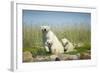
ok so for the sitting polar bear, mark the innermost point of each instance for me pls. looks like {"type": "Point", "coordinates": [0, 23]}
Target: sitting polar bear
{"type": "Point", "coordinates": [68, 46]}
{"type": "Point", "coordinates": [53, 48]}
{"type": "Point", "coordinates": [51, 42]}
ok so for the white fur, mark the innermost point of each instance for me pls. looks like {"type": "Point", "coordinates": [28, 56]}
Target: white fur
{"type": "Point", "coordinates": [69, 46]}
{"type": "Point", "coordinates": [49, 35]}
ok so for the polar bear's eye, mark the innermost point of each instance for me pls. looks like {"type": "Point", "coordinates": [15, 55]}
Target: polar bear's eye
{"type": "Point", "coordinates": [66, 43]}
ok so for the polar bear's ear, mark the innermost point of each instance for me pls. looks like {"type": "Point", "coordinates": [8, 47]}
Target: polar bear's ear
{"type": "Point", "coordinates": [41, 27]}
{"type": "Point", "coordinates": [47, 28]}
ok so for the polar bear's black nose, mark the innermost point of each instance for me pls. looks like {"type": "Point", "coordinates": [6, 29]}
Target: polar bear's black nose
{"type": "Point", "coordinates": [49, 44]}
{"type": "Point", "coordinates": [44, 29]}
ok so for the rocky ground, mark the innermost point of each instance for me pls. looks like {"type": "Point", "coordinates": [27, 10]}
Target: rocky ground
{"type": "Point", "coordinates": [27, 57]}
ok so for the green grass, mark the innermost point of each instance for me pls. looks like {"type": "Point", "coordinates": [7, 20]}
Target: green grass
{"type": "Point", "coordinates": [32, 38]}
{"type": "Point", "coordinates": [36, 51]}
{"type": "Point", "coordinates": [83, 49]}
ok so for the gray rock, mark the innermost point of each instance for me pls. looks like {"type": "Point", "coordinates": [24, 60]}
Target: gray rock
{"type": "Point", "coordinates": [64, 57]}
{"type": "Point", "coordinates": [68, 57]}
{"type": "Point", "coordinates": [85, 56]}
{"type": "Point", "coordinates": [27, 56]}
{"type": "Point", "coordinates": [41, 58]}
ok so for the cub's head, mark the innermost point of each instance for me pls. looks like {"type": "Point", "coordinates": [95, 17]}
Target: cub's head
{"type": "Point", "coordinates": [45, 29]}
{"type": "Point", "coordinates": [65, 42]}
{"type": "Point", "coordinates": [49, 43]}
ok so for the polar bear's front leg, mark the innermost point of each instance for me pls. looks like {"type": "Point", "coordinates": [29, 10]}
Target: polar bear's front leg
{"type": "Point", "coordinates": [47, 48]}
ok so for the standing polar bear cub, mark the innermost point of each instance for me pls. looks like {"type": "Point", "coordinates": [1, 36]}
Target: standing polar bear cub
{"type": "Point", "coordinates": [51, 42]}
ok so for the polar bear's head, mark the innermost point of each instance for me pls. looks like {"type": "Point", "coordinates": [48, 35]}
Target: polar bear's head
{"type": "Point", "coordinates": [49, 43]}
{"type": "Point", "coordinates": [65, 42]}
{"type": "Point", "coordinates": [45, 28]}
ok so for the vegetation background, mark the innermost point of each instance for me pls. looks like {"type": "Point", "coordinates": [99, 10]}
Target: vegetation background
{"type": "Point", "coordinates": [78, 31]}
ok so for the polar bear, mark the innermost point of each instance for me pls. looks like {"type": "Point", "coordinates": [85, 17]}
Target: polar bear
{"type": "Point", "coordinates": [49, 37]}
{"type": "Point", "coordinates": [68, 46]}
{"type": "Point", "coordinates": [53, 48]}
